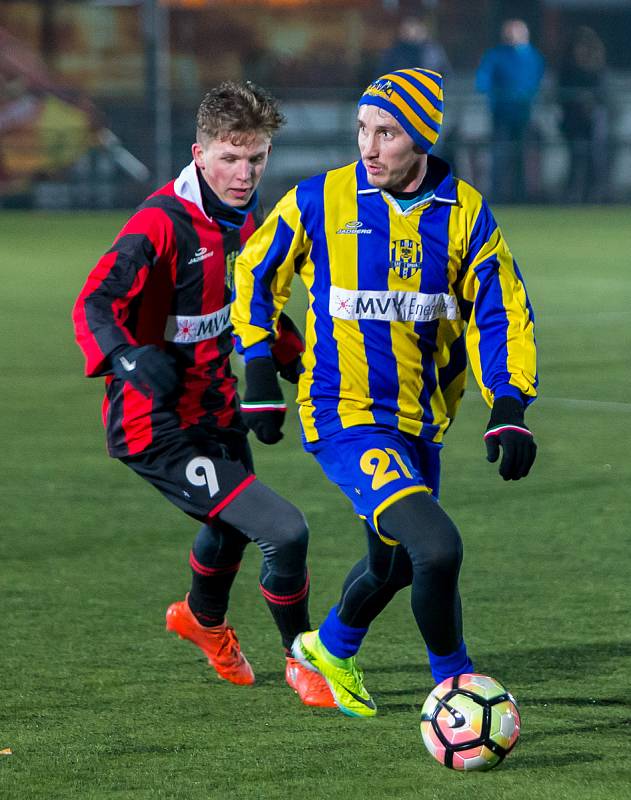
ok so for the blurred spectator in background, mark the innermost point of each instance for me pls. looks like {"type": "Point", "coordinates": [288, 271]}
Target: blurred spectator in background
{"type": "Point", "coordinates": [510, 75]}
{"type": "Point", "coordinates": [45, 125]}
{"type": "Point", "coordinates": [584, 120]}
{"type": "Point", "coordinates": [414, 47]}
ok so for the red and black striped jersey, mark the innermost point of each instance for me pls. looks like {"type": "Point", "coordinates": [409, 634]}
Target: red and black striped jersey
{"type": "Point", "coordinates": [166, 280]}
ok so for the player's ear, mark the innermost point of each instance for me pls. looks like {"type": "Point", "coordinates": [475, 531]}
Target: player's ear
{"type": "Point", "coordinates": [198, 155]}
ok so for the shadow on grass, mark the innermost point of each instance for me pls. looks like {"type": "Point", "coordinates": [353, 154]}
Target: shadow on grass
{"type": "Point", "coordinates": [583, 702]}
{"type": "Point", "coordinates": [607, 728]}
{"type": "Point", "coordinates": [397, 708]}
{"type": "Point", "coordinates": [415, 668]}
{"type": "Point", "coordinates": [533, 665]}
{"type": "Point", "coordinates": [521, 666]}
{"type": "Point", "coordinates": [276, 678]}
{"type": "Point", "coordinates": [547, 760]}
{"type": "Point", "coordinates": [407, 691]}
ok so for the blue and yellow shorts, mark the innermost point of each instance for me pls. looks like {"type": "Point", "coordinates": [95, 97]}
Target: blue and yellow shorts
{"type": "Point", "coordinates": [376, 466]}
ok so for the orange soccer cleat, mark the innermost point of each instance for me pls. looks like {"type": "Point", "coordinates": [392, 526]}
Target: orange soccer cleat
{"type": "Point", "coordinates": [310, 686]}
{"type": "Point", "coordinates": [219, 644]}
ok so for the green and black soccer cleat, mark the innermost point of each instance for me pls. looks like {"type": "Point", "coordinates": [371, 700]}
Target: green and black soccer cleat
{"type": "Point", "coordinates": [345, 679]}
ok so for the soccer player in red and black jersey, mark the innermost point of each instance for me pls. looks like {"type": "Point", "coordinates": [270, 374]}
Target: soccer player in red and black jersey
{"type": "Point", "coordinates": [154, 319]}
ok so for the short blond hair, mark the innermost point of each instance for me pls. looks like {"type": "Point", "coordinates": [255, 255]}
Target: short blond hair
{"type": "Point", "coordinates": [238, 110]}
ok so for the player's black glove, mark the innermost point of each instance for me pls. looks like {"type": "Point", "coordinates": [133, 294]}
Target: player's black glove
{"type": "Point", "coordinates": [263, 405]}
{"type": "Point", "coordinates": [506, 428]}
{"type": "Point", "coordinates": [287, 349]}
{"type": "Point", "coordinates": [147, 368]}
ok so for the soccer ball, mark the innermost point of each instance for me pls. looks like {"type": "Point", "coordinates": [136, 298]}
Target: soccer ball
{"type": "Point", "coordinates": [470, 722]}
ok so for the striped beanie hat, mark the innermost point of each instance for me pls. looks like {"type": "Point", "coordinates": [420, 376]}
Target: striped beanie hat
{"type": "Point", "coordinates": [414, 97]}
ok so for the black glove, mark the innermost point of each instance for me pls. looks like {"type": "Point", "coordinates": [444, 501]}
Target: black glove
{"type": "Point", "coordinates": [287, 349]}
{"type": "Point", "coordinates": [263, 405]}
{"type": "Point", "coordinates": [506, 428]}
{"type": "Point", "coordinates": [147, 368]}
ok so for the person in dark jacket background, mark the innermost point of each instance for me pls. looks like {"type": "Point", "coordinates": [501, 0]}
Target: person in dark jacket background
{"type": "Point", "coordinates": [414, 46]}
{"type": "Point", "coordinates": [584, 118]}
{"type": "Point", "coordinates": [510, 75]}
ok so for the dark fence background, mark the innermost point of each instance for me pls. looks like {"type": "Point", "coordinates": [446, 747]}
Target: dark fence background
{"type": "Point", "coordinates": [145, 64]}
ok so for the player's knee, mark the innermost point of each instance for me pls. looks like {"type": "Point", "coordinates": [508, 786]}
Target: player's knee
{"type": "Point", "coordinates": [291, 534]}
{"type": "Point", "coordinates": [427, 533]}
{"type": "Point", "coordinates": [437, 550]}
{"type": "Point", "coordinates": [283, 538]}
{"type": "Point", "coordinates": [443, 553]}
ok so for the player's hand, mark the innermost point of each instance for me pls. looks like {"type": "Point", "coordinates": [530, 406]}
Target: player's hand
{"type": "Point", "coordinates": [287, 349]}
{"type": "Point", "coordinates": [147, 368]}
{"type": "Point", "coordinates": [506, 429]}
{"type": "Point", "coordinates": [263, 405]}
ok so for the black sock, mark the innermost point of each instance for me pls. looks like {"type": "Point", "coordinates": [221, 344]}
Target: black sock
{"type": "Point", "coordinates": [215, 559]}
{"type": "Point", "coordinates": [210, 590]}
{"type": "Point", "coordinates": [288, 601]}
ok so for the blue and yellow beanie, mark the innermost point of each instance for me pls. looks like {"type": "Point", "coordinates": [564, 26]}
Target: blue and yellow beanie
{"type": "Point", "coordinates": [414, 97]}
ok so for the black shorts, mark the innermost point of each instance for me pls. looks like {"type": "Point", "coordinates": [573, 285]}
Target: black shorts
{"type": "Point", "coordinates": [198, 471]}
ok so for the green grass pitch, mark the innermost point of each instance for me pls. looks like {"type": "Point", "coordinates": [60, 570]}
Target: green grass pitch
{"type": "Point", "coordinates": [98, 701]}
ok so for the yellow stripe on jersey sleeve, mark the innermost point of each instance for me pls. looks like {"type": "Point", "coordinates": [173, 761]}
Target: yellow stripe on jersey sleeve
{"type": "Point", "coordinates": [520, 344]}
{"type": "Point", "coordinates": [471, 206]}
{"type": "Point", "coordinates": [521, 360]}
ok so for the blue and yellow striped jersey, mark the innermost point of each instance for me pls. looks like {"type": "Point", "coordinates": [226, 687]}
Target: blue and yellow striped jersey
{"type": "Point", "coordinates": [396, 301]}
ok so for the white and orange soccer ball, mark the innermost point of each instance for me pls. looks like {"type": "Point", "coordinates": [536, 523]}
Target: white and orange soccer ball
{"type": "Point", "coordinates": [470, 722]}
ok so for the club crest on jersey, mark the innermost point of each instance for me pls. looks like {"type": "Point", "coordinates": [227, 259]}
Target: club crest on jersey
{"type": "Point", "coordinates": [230, 262]}
{"type": "Point", "coordinates": [405, 257]}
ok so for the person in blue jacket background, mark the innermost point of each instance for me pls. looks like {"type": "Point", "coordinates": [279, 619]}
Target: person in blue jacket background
{"type": "Point", "coordinates": [510, 76]}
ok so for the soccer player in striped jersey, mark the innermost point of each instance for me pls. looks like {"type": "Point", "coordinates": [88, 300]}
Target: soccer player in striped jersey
{"type": "Point", "coordinates": [407, 273]}
{"type": "Point", "coordinates": [154, 319]}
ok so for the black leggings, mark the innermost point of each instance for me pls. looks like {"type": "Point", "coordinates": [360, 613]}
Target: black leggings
{"type": "Point", "coordinates": [280, 531]}
{"type": "Point", "coordinates": [428, 558]}
{"type": "Point", "coordinates": [276, 526]}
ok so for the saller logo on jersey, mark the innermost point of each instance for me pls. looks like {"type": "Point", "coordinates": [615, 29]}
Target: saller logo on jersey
{"type": "Point", "coordinates": [391, 306]}
{"type": "Point", "coordinates": [187, 330]}
{"type": "Point", "coordinates": [200, 254]}
{"type": "Point", "coordinates": [353, 228]}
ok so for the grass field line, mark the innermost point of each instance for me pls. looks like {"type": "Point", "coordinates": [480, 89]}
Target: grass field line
{"type": "Point", "coordinates": [572, 402]}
